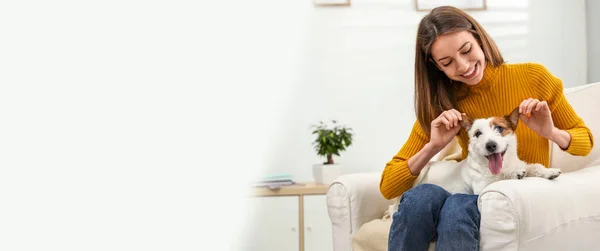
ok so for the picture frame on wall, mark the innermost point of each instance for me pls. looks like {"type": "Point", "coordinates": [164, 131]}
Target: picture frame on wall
{"type": "Point", "coordinates": [427, 5]}
{"type": "Point", "coordinates": [332, 3]}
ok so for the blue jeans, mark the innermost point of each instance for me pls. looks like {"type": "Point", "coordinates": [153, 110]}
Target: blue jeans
{"type": "Point", "coordinates": [427, 213]}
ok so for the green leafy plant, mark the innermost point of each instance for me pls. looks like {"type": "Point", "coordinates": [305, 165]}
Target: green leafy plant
{"type": "Point", "coordinates": [331, 140]}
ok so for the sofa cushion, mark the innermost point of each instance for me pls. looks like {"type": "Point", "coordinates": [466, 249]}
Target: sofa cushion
{"type": "Point", "coordinates": [586, 102]}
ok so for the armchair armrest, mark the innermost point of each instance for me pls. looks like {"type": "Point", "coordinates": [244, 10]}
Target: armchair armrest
{"type": "Point", "coordinates": [352, 200]}
{"type": "Point", "coordinates": [540, 214]}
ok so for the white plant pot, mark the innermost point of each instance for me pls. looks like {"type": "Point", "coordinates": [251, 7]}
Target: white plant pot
{"type": "Point", "coordinates": [326, 174]}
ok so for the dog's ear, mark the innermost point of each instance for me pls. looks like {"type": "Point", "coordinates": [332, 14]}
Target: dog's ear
{"type": "Point", "coordinates": [513, 119]}
{"type": "Point", "coordinates": [466, 122]}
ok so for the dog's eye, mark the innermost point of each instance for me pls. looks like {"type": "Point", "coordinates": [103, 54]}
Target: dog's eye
{"type": "Point", "coordinates": [500, 129]}
{"type": "Point", "coordinates": [477, 134]}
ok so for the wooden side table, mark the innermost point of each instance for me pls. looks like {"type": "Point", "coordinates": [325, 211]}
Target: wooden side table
{"type": "Point", "coordinates": [299, 189]}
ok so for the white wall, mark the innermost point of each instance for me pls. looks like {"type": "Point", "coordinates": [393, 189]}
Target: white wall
{"type": "Point", "coordinates": [593, 39]}
{"type": "Point", "coordinates": [557, 38]}
{"type": "Point", "coordinates": [355, 65]}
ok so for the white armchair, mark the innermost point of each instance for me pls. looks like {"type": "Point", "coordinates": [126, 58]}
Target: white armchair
{"type": "Point", "coordinates": [562, 214]}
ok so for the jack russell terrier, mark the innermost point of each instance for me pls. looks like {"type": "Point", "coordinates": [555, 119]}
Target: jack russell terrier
{"type": "Point", "coordinates": [492, 157]}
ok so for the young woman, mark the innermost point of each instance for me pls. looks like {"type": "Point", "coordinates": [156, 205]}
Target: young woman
{"type": "Point", "coordinates": [459, 69]}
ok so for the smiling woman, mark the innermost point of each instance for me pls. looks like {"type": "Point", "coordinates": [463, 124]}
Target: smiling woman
{"type": "Point", "coordinates": [460, 71]}
{"type": "Point", "coordinates": [459, 60]}
{"type": "Point", "coordinates": [461, 50]}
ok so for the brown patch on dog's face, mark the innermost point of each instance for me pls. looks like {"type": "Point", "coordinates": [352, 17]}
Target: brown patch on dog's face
{"type": "Point", "coordinates": [503, 124]}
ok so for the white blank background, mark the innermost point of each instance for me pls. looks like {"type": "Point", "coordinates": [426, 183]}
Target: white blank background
{"type": "Point", "coordinates": [125, 125]}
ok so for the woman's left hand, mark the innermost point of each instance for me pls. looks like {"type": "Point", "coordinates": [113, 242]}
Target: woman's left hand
{"type": "Point", "coordinates": [536, 115]}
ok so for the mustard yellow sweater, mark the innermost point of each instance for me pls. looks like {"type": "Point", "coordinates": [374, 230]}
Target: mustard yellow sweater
{"type": "Point", "coordinates": [501, 90]}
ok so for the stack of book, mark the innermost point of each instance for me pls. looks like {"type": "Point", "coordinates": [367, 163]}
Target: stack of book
{"type": "Point", "coordinates": [275, 181]}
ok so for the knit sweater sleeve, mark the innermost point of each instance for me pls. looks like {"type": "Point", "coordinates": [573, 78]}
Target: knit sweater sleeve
{"type": "Point", "coordinates": [563, 114]}
{"type": "Point", "coordinates": [396, 177]}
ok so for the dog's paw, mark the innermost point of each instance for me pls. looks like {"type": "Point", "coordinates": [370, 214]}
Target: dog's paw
{"type": "Point", "coordinates": [539, 170]}
{"type": "Point", "coordinates": [553, 173]}
{"type": "Point", "coordinates": [515, 174]}
{"type": "Point", "coordinates": [548, 173]}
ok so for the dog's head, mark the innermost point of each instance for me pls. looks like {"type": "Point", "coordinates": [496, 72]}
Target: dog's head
{"type": "Point", "coordinates": [490, 138]}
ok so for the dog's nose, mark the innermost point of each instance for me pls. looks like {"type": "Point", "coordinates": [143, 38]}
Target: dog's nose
{"type": "Point", "coordinates": [491, 146]}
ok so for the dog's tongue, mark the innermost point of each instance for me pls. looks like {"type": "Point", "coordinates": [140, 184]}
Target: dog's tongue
{"type": "Point", "coordinates": [495, 163]}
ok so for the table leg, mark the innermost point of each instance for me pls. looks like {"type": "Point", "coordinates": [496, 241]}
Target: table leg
{"type": "Point", "coordinates": [301, 220]}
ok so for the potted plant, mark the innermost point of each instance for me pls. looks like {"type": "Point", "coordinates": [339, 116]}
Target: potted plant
{"type": "Point", "coordinates": [330, 140]}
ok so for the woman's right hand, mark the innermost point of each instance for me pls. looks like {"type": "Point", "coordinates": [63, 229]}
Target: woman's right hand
{"type": "Point", "coordinates": [444, 128]}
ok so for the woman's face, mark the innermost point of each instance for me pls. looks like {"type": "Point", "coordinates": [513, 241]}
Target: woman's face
{"type": "Point", "coordinates": [459, 56]}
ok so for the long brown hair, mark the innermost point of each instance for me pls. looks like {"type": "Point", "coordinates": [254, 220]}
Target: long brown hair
{"type": "Point", "coordinates": [434, 91]}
